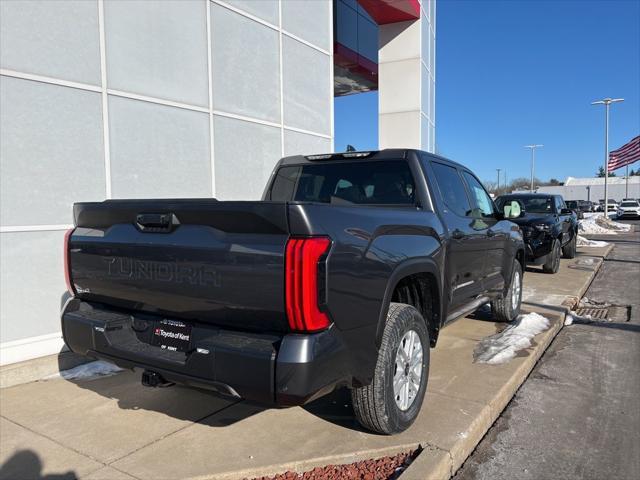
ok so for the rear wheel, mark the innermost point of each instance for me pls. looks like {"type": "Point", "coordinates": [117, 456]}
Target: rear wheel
{"type": "Point", "coordinates": [507, 307]}
{"type": "Point", "coordinates": [392, 401]}
{"type": "Point", "coordinates": [553, 262]}
{"type": "Point", "coordinates": [569, 250]}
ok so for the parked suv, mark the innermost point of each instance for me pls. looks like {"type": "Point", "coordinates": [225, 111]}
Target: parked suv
{"type": "Point", "coordinates": [612, 205]}
{"type": "Point", "coordinates": [550, 228]}
{"type": "Point", "coordinates": [343, 275]}
{"type": "Point", "coordinates": [629, 208]}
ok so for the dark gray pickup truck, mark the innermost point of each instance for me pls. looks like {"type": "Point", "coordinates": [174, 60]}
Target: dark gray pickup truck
{"type": "Point", "coordinates": [343, 275]}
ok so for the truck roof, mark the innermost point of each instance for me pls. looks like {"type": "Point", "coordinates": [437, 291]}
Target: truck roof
{"type": "Point", "coordinates": [386, 154]}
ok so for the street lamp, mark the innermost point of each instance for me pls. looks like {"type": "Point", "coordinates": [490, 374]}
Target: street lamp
{"type": "Point", "coordinates": [606, 102]}
{"type": "Point", "coordinates": [498, 185]}
{"type": "Point", "coordinates": [533, 159]}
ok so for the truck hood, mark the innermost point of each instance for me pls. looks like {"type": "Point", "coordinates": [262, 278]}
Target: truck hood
{"type": "Point", "coordinates": [533, 219]}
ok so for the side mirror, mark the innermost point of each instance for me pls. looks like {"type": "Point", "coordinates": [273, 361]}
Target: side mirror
{"type": "Point", "coordinates": [513, 209]}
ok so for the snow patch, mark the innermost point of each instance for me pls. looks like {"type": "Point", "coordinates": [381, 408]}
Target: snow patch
{"type": "Point", "coordinates": [573, 318]}
{"type": "Point", "coordinates": [503, 346]}
{"type": "Point", "coordinates": [596, 224]}
{"type": "Point", "coordinates": [88, 371]}
{"type": "Point", "coordinates": [585, 242]}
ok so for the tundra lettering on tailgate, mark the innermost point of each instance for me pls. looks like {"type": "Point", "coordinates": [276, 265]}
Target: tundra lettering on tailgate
{"type": "Point", "coordinates": [122, 267]}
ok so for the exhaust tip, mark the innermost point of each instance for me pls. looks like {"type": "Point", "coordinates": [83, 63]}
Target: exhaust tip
{"type": "Point", "coordinates": [154, 379]}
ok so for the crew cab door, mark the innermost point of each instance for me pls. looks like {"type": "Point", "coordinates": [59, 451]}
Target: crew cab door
{"type": "Point", "coordinates": [495, 233]}
{"type": "Point", "coordinates": [465, 257]}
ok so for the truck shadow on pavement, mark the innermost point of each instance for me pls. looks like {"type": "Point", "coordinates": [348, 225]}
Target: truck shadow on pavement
{"type": "Point", "coordinates": [203, 406]}
{"type": "Point", "coordinates": [182, 403]}
{"type": "Point", "coordinates": [336, 408]}
{"type": "Point", "coordinates": [26, 465]}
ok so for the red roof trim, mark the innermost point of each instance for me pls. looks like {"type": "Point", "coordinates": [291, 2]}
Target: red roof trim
{"type": "Point", "coordinates": [391, 11]}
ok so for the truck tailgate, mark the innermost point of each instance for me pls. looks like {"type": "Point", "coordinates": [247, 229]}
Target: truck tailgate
{"type": "Point", "coordinates": [214, 262]}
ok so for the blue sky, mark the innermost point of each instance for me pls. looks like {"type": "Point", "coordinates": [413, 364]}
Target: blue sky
{"type": "Point", "coordinates": [511, 73]}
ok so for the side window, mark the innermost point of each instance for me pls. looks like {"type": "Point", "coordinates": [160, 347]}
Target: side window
{"type": "Point", "coordinates": [452, 189]}
{"type": "Point", "coordinates": [284, 184]}
{"type": "Point", "coordinates": [560, 204]}
{"type": "Point", "coordinates": [480, 198]}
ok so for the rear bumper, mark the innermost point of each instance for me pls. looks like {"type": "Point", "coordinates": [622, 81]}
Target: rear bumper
{"type": "Point", "coordinates": [282, 370]}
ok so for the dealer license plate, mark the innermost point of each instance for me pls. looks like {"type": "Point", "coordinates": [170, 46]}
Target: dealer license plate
{"type": "Point", "coordinates": [172, 335]}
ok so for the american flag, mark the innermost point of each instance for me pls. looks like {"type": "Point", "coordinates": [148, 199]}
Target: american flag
{"type": "Point", "coordinates": [625, 155]}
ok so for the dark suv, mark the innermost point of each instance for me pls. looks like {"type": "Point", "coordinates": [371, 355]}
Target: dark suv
{"type": "Point", "coordinates": [550, 229]}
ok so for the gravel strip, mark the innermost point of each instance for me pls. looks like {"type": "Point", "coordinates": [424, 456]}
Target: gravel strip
{"type": "Point", "coordinates": [384, 468]}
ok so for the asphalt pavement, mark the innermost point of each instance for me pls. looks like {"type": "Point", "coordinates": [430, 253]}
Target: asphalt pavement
{"type": "Point", "coordinates": [578, 414]}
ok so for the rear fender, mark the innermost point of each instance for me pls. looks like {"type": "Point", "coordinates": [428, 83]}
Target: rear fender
{"type": "Point", "coordinates": [412, 267]}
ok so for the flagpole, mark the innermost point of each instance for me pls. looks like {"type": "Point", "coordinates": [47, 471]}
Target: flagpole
{"type": "Point", "coordinates": [606, 102]}
{"type": "Point", "coordinates": [606, 161]}
{"type": "Point", "coordinates": [626, 186]}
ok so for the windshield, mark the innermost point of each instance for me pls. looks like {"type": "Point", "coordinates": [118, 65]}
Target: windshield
{"type": "Point", "coordinates": [531, 204]}
{"type": "Point", "coordinates": [629, 204]}
{"type": "Point", "coordinates": [385, 182]}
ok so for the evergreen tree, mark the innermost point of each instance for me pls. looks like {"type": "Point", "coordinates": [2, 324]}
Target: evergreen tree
{"type": "Point", "coordinates": [601, 172]}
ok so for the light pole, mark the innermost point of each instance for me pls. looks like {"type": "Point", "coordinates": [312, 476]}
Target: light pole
{"type": "Point", "coordinates": [533, 160]}
{"type": "Point", "coordinates": [498, 186]}
{"type": "Point", "coordinates": [606, 102]}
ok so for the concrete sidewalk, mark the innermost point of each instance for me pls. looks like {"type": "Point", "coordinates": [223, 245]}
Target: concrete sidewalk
{"type": "Point", "coordinates": [114, 428]}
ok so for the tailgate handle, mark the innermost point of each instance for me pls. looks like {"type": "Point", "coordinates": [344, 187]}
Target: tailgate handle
{"type": "Point", "coordinates": [157, 222]}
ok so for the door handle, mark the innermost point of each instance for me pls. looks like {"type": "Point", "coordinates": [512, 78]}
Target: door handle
{"type": "Point", "coordinates": [457, 234]}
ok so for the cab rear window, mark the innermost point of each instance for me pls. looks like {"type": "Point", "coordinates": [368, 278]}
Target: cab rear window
{"type": "Point", "coordinates": [384, 182]}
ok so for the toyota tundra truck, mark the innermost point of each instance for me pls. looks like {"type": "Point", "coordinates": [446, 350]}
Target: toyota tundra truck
{"type": "Point", "coordinates": [342, 275]}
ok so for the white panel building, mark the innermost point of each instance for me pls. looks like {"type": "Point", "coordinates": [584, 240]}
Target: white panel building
{"type": "Point", "coordinates": [104, 99]}
{"type": "Point", "coordinates": [593, 188]}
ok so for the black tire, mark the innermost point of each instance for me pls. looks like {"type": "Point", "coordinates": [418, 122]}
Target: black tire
{"type": "Point", "coordinates": [375, 405]}
{"type": "Point", "coordinates": [553, 262]}
{"type": "Point", "coordinates": [569, 250]}
{"type": "Point", "coordinates": [502, 307]}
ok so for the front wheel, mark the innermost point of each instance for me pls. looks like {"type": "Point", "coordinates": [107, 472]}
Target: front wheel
{"type": "Point", "coordinates": [392, 401]}
{"type": "Point", "coordinates": [507, 307]}
{"type": "Point", "coordinates": [569, 250]}
{"type": "Point", "coordinates": [552, 264]}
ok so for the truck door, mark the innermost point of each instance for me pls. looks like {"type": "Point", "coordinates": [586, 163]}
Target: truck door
{"type": "Point", "coordinates": [465, 258]}
{"type": "Point", "coordinates": [495, 233]}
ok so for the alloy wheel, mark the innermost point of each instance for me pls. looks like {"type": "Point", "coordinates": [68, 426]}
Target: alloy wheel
{"type": "Point", "coordinates": [407, 374]}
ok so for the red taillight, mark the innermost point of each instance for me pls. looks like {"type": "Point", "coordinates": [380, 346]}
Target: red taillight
{"type": "Point", "coordinates": [302, 264]}
{"type": "Point", "coordinates": [67, 266]}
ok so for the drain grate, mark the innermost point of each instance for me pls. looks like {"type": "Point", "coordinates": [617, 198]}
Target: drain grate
{"type": "Point", "coordinates": [600, 313]}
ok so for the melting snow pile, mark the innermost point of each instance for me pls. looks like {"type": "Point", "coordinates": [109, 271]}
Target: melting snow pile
{"type": "Point", "coordinates": [503, 346]}
{"type": "Point", "coordinates": [585, 242]}
{"type": "Point", "coordinates": [572, 317]}
{"type": "Point", "coordinates": [89, 371]}
{"type": "Point", "coordinates": [597, 224]}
